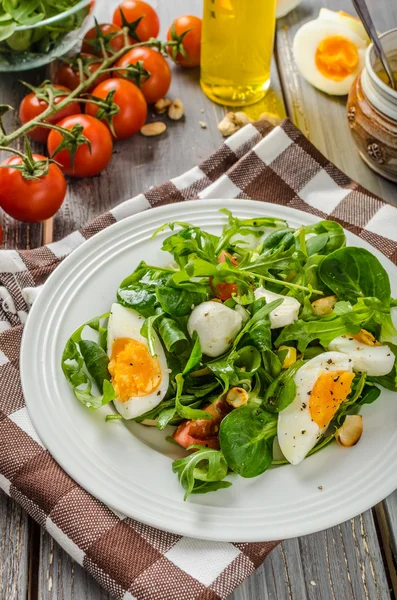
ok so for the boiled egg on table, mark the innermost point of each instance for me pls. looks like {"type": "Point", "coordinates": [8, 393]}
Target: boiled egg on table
{"type": "Point", "coordinates": [283, 315]}
{"type": "Point", "coordinates": [322, 384]}
{"type": "Point", "coordinates": [285, 6]}
{"type": "Point", "coordinates": [139, 379]}
{"type": "Point", "coordinates": [329, 54]}
{"type": "Point", "coordinates": [367, 354]}
{"type": "Point", "coordinates": [216, 325]}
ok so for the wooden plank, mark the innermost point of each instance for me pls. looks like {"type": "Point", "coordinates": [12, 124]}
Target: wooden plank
{"type": "Point", "coordinates": [15, 534]}
{"type": "Point", "coordinates": [322, 118]}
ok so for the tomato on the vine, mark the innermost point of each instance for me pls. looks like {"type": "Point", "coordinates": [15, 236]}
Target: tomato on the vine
{"type": "Point", "coordinates": [190, 42]}
{"type": "Point", "coordinates": [68, 74]}
{"type": "Point", "coordinates": [32, 106]}
{"type": "Point", "coordinates": [159, 81]}
{"type": "Point", "coordinates": [149, 24]}
{"type": "Point", "coordinates": [131, 102]}
{"type": "Point", "coordinates": [32, 199]}
{"type": "Point", "coordinates": [85, 162]}
{"type": "Point", "coordinates": [112, 36]}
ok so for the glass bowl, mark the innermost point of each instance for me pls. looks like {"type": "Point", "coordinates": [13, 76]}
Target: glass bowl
{"type": "Point", "coordinates": [32, 46]}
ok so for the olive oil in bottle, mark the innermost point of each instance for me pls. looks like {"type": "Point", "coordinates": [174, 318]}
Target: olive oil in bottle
{"type": "Point", "coordinates": [236, 50]}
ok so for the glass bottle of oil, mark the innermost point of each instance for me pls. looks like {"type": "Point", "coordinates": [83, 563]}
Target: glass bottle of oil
{"type": "Point", "coordinates": [236, 49]}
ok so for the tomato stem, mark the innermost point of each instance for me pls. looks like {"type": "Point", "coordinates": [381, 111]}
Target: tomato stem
{"type": "Point", "coordinates": [52, 108]}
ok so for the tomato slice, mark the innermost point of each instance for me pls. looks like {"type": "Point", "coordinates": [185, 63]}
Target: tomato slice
{"type": "Point", "coordinates": [203, 432]}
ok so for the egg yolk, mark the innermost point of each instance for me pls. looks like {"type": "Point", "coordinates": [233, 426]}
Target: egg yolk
{"type": "Point", "coordinates": [336, 57]}
{"type": "Point", "coordinates": [366, 338]}
{"type": "Point", "coordinates": [328, 393]}
{"type": "Point", "coordinates": [134, 371]}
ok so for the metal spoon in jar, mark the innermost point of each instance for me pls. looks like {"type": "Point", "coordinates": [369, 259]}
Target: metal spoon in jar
{"type": "Point", "coordinates": [363, 13]}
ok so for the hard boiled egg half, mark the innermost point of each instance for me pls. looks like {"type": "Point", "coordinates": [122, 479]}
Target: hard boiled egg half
{"type": "Point", "coordinates": [330, 52]}
{"type": "Point", "coordinates": [139, 379]}
{"type": "Point", "coordinates": [322, 384]}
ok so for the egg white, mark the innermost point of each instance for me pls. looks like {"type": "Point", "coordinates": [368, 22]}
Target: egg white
{"type": "Point", "coordinates": [306, 42]}
{"type": "Point", "coordinates": [348, 21]}
{"type": "Point", "coordinates": [127, 323]}
{"type": "Point", "coordinates": [373, 360]}
{"type": "Point", "coordinates": [297, 433]}
{"type": "Point", "coordinates": [285, 6]}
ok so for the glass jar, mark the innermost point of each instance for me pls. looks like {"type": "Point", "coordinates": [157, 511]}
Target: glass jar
{"type": "Point", "coordinates": [372, 111]}
{"type": "Point", "coordinates": [236, 50]}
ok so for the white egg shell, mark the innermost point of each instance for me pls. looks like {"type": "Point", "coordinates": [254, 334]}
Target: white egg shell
{"type": "Point", "coordinates": [306, 42]}
{"type": "Point", "coordinates": [216, 326]}
{"type": "Point", "coordinates": [283, 315]}
{"type": "Point", "coordinates": [296, 432]}
{"type": "Point", "coordinates": [285, 6]}
{"type": "Point", "coordinates": [348, 21]}
{"type": "Point", "coordinates": [373, 360]}
{"type": "Point", "coordinates": [127, 323]}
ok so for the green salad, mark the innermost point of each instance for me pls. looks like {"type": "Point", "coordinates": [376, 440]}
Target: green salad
{"type": "Point", "coordinates": [30, 13]}
{"type": "Point", "coordinates": [251, 349]}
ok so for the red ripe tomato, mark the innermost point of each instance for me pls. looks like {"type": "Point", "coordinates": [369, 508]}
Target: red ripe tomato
{"type": "Point", "coordinates": [191, 41]}
{"type": "Point", "coordinates": [203, 432]}
{"type": "Point", "coordinates": [32, 106]}
{"type": "Point", "coordinates": [91, 44]}
{"type": "Point", "coordinates": [131, 102]}
{"type": "Point", "coordinates": [69, 76]}
{"type": "Point", "coordinates": [31, 200]}
{"type": "Point", "coordinates": [224, 290]}
{"type": "Point", "coordinates": [86, 162]}
{"type": "Point", "coordinates": [148, 27]}
{"type": "Point", "coordinates": [159, 81]}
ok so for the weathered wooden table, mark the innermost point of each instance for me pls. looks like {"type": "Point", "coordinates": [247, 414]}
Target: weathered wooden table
{"type": "Point", "coordinates": [356, 560]}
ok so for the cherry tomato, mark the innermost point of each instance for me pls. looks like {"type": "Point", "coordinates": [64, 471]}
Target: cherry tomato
{"type": "Point", "coordinates": [86, 162]}
{"type": "Point", "coordinates": [68, 74]}
{"type": "Point", "coordinates": [191, 41]}
{"type": "Point", "coordinates": [31, 200]}
{"type": "Point", "coordinates": [159, 81]}
{"type": "Point", "coordinates": [91, 44]}
{"type": "Point", "coordinates": [148, 27]}
{"type": "Point", "coordinates": [224, 290]}
{"type": "Point", "coordinates": [203, 432]}
{"type": "Point", "coordinates": [32, 106]}
{"type": "Point", "coordinates": [131, 102]}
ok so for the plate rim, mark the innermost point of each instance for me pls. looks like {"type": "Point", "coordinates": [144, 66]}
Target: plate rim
{"type": "Point", "coordinates": [299, 529]}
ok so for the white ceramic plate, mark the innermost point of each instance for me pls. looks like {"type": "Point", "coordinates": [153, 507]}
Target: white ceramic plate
{"type": "Point", "coordinates": [128, 466]}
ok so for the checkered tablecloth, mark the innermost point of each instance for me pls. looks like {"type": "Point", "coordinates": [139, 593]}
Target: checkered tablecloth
{"type": "Point", "coordinates": [129, 559]}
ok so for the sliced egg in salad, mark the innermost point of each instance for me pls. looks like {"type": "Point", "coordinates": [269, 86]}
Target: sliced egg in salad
{"type": "Point", "coordinates": [368, 355]}
{"type": "Point", "coordinates": [139, 379]}
{"type": "Point", "coordinates": [329, 55]}
{"type": "Point", "coordinates": [322, 384]}
{"type": "Point", "coordinates": [283, 315]}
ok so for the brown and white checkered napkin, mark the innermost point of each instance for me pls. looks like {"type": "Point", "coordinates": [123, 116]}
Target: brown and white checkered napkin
{"type": "Point", "coordinates": [129, 559]}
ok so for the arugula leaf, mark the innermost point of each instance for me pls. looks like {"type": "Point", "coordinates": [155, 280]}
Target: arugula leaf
{"type": "Point", "coordinates": [185, 411]}
{"type": "Point", "coordinates": [352, 273]}
{"type": "Point", "coordinates": [246, 437]}
{"type": "Point", "coordinates": [257, 317]}
{"type": "Point", "coordinates": [202, 471]}
{"type": "Point", "coordinates": [256, 227]}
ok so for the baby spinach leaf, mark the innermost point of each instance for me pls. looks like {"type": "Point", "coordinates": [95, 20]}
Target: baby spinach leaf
{"type": "Point", "coordinates": [96, 361]}
{"type": "Point", "coordinates": [246, 438]}
{"type": "Point", "coordinates": [185, 411]}
{"type": "Point", "coordinates": [352, 273]}
{"type": "Point", "coordinates": [140, 298]}
{"type": "Point", "coordinates": [332, 230]}
{"type": "Point", "coordinates": [195, 356]}
{"type": "Point", "coordinates": [177, 302]}
{"type": "Point", "coordinates": [257, 317]}
{"type": "Point", "coordinates": [77, 372]}
{"type": "Point", "coordinates": [204, 466]}
{"type": "Point", "coordinates": [281, 392]}
{"type": "Point", "coordinates": [172, 335]}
